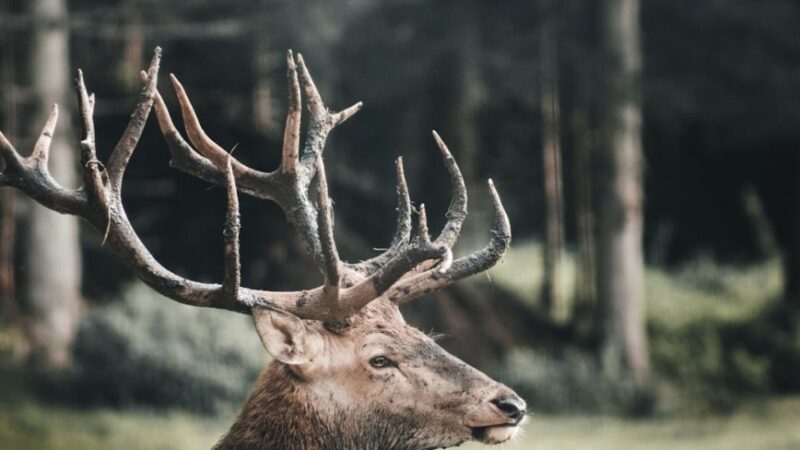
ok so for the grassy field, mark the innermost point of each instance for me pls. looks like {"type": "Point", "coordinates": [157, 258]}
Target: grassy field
{"type": "Point", "coordinates": [770, 425]}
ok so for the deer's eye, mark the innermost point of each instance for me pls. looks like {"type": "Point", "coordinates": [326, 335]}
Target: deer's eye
{"type": "Point", "coordinates": [380, 362]}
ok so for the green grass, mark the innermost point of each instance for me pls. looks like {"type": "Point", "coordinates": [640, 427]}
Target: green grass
{"type": "Point", "coordinates": [761, 426]}
{"type": "Point", "coordinates": [766, 426]}
{"type": "Point", "coordinates": [33, 426]}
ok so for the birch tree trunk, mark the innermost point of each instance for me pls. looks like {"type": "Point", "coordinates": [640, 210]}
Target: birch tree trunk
{"type": "Point", "coordinates": [620, 261]}
{"type": "Point", "coordinates": [51, 280]}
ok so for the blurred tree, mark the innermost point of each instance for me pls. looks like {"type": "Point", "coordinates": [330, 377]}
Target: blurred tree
{"type": "Point", "coordinates": [9, 309]}
{"type": "Point", "coordinates": [552, 295]}
{"type": "Point", "coordinates": [620, 261]}
{"type": "Point", "coordinates": [51, 271]}
{"type": "Point", "coordinates": [133, 45]}
{"type": "Point", "coordinates": [584, 308]}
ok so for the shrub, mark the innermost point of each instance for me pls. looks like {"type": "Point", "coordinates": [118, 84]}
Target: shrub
{"type": "Point", "coordinates": [148, 350]}
{"type": "Point", "coordinates": [571, 382]}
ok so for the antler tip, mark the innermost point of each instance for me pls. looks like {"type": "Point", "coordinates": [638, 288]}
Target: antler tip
{"type": "Point", "coordinates": [79, 80]}
{"type": "Point", "coordinates": [442, 146]}
{"type": "Point", "coordinates": [438, 138]}
{"type": "Point", "coordinates": [495, 195]}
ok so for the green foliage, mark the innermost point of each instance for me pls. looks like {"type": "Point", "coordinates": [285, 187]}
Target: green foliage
{"type": "Point", "coordinates": [571, 382]}
{"type": "Point", "coordinates": [147, 350]}
{"type": "Point", "coordinates": [706, 367]}
{"type": "Point", "coordinates": [717, 334]}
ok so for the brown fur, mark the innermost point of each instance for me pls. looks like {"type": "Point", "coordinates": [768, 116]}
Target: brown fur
{"type": "Point", "coordinates": [339, 402]}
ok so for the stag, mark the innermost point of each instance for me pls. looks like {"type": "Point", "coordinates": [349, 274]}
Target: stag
{"type": "Point", "coordinates": [347, 371]}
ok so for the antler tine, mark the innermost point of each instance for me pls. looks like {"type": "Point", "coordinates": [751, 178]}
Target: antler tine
{"type": "Point", "coordinates": [232, 280]}
{"type": "Point", "coordinates": [402, 231]}
{"type": "Point", "coordinates": [422, 225]}
{"type": "Point", "coordinates": [249, 181]}
{"type": "Point", "coordinates": [412, 287]}
{"type": "Point", "coordinates": [86, 107]}
{"type": "Point", "coordinates": [291, 134]}
{"type": "Point", "coordinates": [314, 101]}
{"type": "Point", "coordinates": [322, 121]}
{"type": "Point", "coordinates": [330, 256]}
{"type": "Point", "coordinates": [8, 151]}
{"type": "Point", "coordinates": [123, 151]}
{"type": "Point", "coordinates": [457, 211]}
{"type": "Point", "coordinates": [94, 174]}
{"type": "Point", "coordinates": [197, 136]}
{"type": "Point", "coordinates": [398, 267]}
{"type": "Point", "coordinates": [41, 149]}
{"type": "Point", "coordinates": [31, 176]}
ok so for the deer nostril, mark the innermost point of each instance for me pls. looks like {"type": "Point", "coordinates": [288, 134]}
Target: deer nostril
{"type": "Point", "coordinates": [512, 408]}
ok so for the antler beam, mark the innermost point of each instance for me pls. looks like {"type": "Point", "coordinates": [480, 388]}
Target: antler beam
{"type": "Point", "coordinates": [409, 268]}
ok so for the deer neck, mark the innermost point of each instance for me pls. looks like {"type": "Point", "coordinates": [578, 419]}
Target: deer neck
{"type": "Point", "coordinates": [284, 413]}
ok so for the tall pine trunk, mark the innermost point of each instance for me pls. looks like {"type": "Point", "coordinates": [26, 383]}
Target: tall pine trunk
{"type": "Point", "coordinates": [620, 261]}
{"type": "Point", "coordinates": [51, 279]}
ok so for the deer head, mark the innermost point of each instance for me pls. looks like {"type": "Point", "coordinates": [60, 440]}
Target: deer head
{"type": "Point", "coordinates": [348, 372]}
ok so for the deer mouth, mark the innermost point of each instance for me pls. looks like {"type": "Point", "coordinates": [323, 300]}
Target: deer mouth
{"type": "Point", "coordinates": [495, 434]}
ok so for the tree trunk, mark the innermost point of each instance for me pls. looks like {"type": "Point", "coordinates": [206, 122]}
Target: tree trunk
{"type": "Point", "coordinates": [133, 46]}
{"type": "Point", "coordinates": [552, 296]}
{"type": "Point", "coordinates": [791, 257]}
{"type": "Point", "coordinates": [266, 116]}
{"type": "Point", "coordinates": [9, 309]}
{"type": "Point", "coordinates": [620, 261]}
{"type": "Point", "coordinates": [584, 308]}
{"type": "Point", "coordinates": [50, 287]}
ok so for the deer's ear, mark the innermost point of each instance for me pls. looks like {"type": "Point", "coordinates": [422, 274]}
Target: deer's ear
{"type": "Point", "coordinates": [286, 337]}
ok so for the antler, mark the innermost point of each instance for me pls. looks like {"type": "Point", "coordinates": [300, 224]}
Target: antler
{"type": "Point", "coordinates": [409, 268]}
